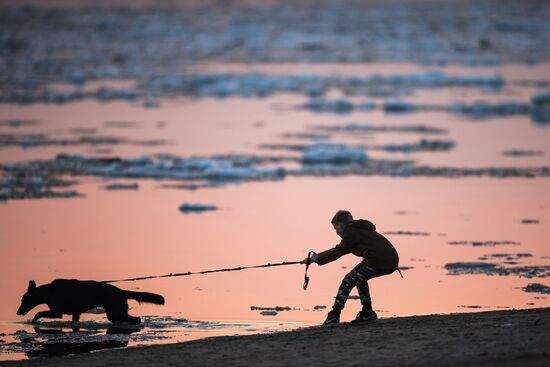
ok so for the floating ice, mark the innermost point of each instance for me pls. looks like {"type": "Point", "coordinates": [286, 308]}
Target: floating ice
{"type": "Point", "coordinates": [275, 308]}
{"type": "Point", "coordinates": [18, 122]}
{"type": "Point", "coordinates": [333, 153]}
{"type": "Point", "coordinates": [196, 208]}
{"type": "Point", "coordinates": [340, 106]}
{"type": "Point", "coordinates": [406, 233]}
{"type": "Point", "coordinates": [484, 109]}
{"type": "Point", "coordinates": [462, 268]}
{"type": "Point", "coordinates": [537, 288]}
{"type": "Point", "coordinates": [307, 136]}
{"type": "Point", "coordinates": [541, 98]}
{"type": "Point", "coordinates": [367, 128]}
{"type": "Point", "coordinates": [31, 185]}
{"type": "Point", "coordinates": [483, 243]}
{"type": "Point", "coordinates": [268, 313]}
{"type": "Point", "coordinates": [399, 107]}
{"type": "Point", "coordinates": [122, 186]}
{"type": "Point", "coordinates": [39, 140]}
{"type": "Point", "coordinates": [423, 145]}
{"type": "Point", "coordinates": [522, 153]}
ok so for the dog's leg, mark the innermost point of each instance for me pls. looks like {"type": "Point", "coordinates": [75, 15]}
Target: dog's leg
{"type": "Point", "coordinates": [49, 314]}
{"type": "Point", "coordinates": [120, 314]}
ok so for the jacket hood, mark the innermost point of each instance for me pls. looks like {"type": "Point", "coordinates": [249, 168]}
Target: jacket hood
{"type": "Point", "coordinates": [363, 224]}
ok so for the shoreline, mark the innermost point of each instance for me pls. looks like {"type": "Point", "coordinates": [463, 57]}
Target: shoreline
{"type": "Point", "coordinates": [488, 338]}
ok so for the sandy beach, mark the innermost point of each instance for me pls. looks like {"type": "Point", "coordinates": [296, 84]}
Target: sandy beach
{"type": "Point", "coordinates": [504, 338]}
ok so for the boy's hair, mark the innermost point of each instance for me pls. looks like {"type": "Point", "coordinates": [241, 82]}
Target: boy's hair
{"type": "Point", "coordinates": [342, 216]}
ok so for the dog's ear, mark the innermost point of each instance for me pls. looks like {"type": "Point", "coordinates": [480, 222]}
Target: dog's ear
{"type": "Point", "coordinates": [32, 285]}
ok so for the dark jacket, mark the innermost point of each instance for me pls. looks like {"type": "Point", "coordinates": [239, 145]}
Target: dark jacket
{"type": "Point", "coordinates": [361, 239]}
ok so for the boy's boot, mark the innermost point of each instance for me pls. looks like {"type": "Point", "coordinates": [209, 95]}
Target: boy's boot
{"type": "Point", "coordinates": [366, 314]}
{"type": "Point", "coordinates": [333, 317]}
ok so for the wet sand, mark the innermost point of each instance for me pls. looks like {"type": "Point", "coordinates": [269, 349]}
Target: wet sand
{"type": "Point", "coordinates": [504, 338]}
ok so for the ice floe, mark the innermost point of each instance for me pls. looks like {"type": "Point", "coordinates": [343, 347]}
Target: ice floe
{"type": "Point", "coordinates": [508, 257]}
{"type": "Point", "coordinates": [422, 146]}
{"type": "Point", "coordinates": [340, 106]}
{"type": "Point", "coordinates": [527, 271]}
{"type": "Point", "coordinates": [196, 208]}
{"type": "Point", "coordinates": [406, 233]}
{"type": "Point", "coordinates": [38, 179]}
{"type": "Point", "coordinates": [333, 153]}
{"type": "Point", "coordinates": [522, 153]}
{"type": "Point", "coordinates": [483, 243]}
{"type": "Point", "coordinates": [484, 109]}
{"type": "Point", "coordinates": [354, 128]}
{"type": "Point", "coordinates": [537, 288]}
{"type": "Point", "coordinates": [122, 186]}
{"type": "Point", "coordinates": [40, 140]}
{"type": "Point", "coordinates": [18, 122]}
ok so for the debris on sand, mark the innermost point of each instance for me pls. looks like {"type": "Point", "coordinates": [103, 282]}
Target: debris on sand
{"type": "Point", "coordinates": [537, 288]}
{"type": "Point", "coordinates": [187, 208]}
{"type": "Point", "coordinates": [463, 268]}
{"type": "Point", "coordinates": [483, 243]}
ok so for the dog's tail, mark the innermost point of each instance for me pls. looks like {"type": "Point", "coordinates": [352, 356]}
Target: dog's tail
{"type": "Point", "coordinates": [145, 297]}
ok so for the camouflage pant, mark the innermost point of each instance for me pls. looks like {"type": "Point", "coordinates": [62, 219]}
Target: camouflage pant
{"type": "Point", "coordinates": [357, 277]}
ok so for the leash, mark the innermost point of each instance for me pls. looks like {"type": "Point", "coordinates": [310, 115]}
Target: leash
{"type": "Point", "coordinates": [284, 263]}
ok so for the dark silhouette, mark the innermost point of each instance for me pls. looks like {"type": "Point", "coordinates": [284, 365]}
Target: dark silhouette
{"type": "Point", "coordinates": [73, 297]}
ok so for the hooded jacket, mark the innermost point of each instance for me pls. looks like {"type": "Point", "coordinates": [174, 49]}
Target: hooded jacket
{"type": "Point", "coordinates": [361, 239]}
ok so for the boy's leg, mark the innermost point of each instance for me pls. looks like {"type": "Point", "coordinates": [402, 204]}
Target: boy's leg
{"type": "Point", "coordinates": [363, 288]}
{"type": "Point", "coordinates": [356, 277]}
{"type": "Point", "coordinates": [364, 295]}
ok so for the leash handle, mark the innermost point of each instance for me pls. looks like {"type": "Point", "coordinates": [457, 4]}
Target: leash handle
{"type": "Point", "coordinates": [306, 278]}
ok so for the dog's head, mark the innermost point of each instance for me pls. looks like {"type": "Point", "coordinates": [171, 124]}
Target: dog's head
{"type": "Point", "coordinates": [29, 300]}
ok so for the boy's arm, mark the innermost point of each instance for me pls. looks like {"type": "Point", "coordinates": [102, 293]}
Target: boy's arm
{"type": "Point", "coordinates": [343, 248]}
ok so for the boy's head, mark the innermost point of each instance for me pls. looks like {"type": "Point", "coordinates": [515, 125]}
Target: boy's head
{"type": "Point", "coordinates": [340, 220]}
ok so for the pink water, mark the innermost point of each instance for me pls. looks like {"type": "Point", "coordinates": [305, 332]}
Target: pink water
{"type": "Point", "coordinates": [114, 234]}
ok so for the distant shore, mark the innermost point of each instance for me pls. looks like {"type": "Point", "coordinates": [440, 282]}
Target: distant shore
{"type": "Point", "coordinates": [503, 338]}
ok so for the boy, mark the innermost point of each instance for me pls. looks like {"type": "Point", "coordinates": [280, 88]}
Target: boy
{"type": "Point", "coordinates": [379, 258]}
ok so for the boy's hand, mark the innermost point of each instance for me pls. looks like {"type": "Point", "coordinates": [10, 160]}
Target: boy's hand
{"type": "Point", "coordinates": [311, 258]}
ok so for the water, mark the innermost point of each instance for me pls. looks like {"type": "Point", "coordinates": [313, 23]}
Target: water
{"type": "Point", "coordinates": [110, 234]}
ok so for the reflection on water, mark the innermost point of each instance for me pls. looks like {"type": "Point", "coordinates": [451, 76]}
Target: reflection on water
{"type": "Point", "coordinates": [55, 338]}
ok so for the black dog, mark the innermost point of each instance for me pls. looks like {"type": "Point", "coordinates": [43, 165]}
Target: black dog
{"type": "Point", "coordinates": [73, 297]}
